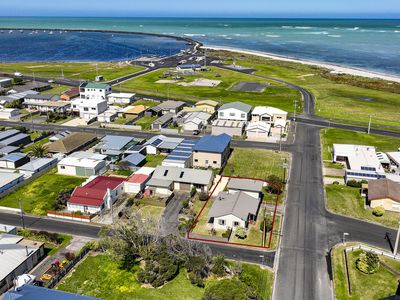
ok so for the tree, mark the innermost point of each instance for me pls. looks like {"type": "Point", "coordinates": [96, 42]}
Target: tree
{"type": "Point", "coordinates": [368, 262]}
{"type": "Point", "coordinates": [203, 196]}
{"type": "Point", "coordinates": [39, 150]}
{"type": "Point", "coordinates": [241, 232]}
{"type": "Point", "coordinates": [266, 223]}
{"type": "Point", "coordinates": [124, 165]}
{"type": "Point", "coordinates": [197, 268]}
{"type": "Point", "coordinates": [227, 289]}
{"type": "Point", "coordinates": [275, 184]}
{"type": "Point", "coordinates": [218, 267]}
{"type": "Point", "coordinates": [62, 198]}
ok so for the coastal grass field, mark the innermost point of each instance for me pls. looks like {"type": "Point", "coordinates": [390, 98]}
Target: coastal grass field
{"type": "Point", "coordinates": [94, 276]}
{"type": "Point", "coordinates": [39, 195]}
{"type": "Point", "coordinates": [275, 94]}
{"type": "Point", "coordinates": [336, 97]}
{"type": "Point", "coordinates": [345, 200]}
{"type": "Point", "coordinates": [379, 285]}
{"type": "Point", "coordinates": [339, 136]}
{"type": "Point", "coordinates": [74, 70]}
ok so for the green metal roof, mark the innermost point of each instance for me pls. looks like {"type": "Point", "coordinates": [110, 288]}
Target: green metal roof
{"type": "Point", "coordinates": [93, 85]}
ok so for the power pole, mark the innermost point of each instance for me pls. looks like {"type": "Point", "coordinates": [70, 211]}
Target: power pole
{"type": "Point", "coordinates": [369, 124]}
{"type": "Point", "coordinates": [295, 108]}
{"type": "Point", "coordinates": [396, 245]}
{"type": "Point", "coordinates": [280, 141]}
{"type": "Point", "coordinates": [22, 213]}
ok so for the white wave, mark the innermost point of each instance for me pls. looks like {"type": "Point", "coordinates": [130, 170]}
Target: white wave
{"type": "Point", "coordinates": [303, 27]}
{"type": "Point", "coordinates": [354, 28]}
{"type": "Point", "coordinates": [335, 35]}
{"type": "Point", "coordinates": [226, 25]}
{"type": "Point", "coordinates": [240, 34]}
{"type": "Point", "coordinates": [194, 34]}
{"type": "Point", "coordinates": [222, 35]}
{"type": "Point", "coordinates": [140, 26]}
{"type": "Point", "coordinates": [273, 35]}
{"type": "Point", "coordinates": [287, 27]}
{"type": "Point", "coordinates": [397, 31]}
{"type": "Point", "coordinates": [228, 38]}
{"type": "Point", "coordinates": [316, 32]}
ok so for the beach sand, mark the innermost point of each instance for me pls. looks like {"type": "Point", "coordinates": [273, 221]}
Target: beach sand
{"type": "Point", "coordinates": [334, 68]}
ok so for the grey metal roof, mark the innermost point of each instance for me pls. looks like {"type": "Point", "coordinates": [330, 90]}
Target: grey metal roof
{"type": "Point", "coordinates": [184, 175]}
{"type": "Point", "coordinates": [8, 133]}
{"type": "Point", "coordinates": [115, 142]}
{"type": "Point", "coordinates": [6, 178]}
{"type": "Point", "coordinates": [8, 149]}
{"type": "Point", "coordinates": [159, 182]}
{"type": "Point", "coordinates": [245, 185]}
{"type": "Point", "coordinates": [238, 204]}
{"type": "Point", "coordinates": [164, 119]}
{"type": "Point", "coordinates": [38, 163]}
{"type": "Point", "coordinates": [171, 104]}
{"type": "Point", "coordinates": [238, 105]}
{"type": "Point", "coordinates": [14, 139]}
{"type": "Point", "coordinates": [47, 97]}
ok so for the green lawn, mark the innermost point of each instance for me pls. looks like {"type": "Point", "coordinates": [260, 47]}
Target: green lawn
{"type": "Point", "coordinates": [29, 147]}
{"type": "Point", "coordinates": [375, 286]}
{"type": "Point", "coordinates": [333, 100]}
{"type": "Point", "coordinates": [254, 235]}
{"type": "Point", "coordinates": [57, 89]}
{"type": "Point", "coordinates": [338, 136]}
{"type": "Point", "coordinates": [151, 210]}
{"type": "Point", "coordinates": [154, 160]}
{"type": "Point", "coordinates": [96, 274]}
{"type": "Point", "coordinates": [121, 121]}
{"type": "Point", "coordinates": [255, 163]}
{"type": "Point", "coordinates": [276, 94]}
{"type": "Point", "coordinates": [39, 195]}
{"type": "Point", "coordinates": [76, 70]}
{"type": "Point", "coordinates": [145, 122]}
{"type": "Point", "coordinates": [347, 201]}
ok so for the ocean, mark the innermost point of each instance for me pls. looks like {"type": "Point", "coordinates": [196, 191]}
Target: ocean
{"type": "Point", "coordinates": [372, 45]}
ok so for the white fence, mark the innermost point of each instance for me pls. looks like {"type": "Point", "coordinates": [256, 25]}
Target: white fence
{"type": "Point", "coordinates": [377, 251]}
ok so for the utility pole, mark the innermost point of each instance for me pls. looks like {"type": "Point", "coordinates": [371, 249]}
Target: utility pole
{"type": "Point", "coordinates": [22, 213]}
{"type": "Point", "coordinates": [295, 108]}
{"type": "Point", "coordinates": [280, 141]}
{"type": "Point", "coordinates": [369, 124]}
{"type": "Point", "coordinates": [396, 245]}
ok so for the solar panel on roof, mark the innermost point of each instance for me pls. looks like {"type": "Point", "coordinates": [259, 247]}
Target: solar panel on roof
{"type": "Point", "coordinates": [176, 158]}
{"type": "Point", "coordinates": [156, 142]}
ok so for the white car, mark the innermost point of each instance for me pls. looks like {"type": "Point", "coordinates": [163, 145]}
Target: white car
{"type": "Point", "coordinates": [50, 81]}
{"type": "Point", "coordinates": [18, 74]}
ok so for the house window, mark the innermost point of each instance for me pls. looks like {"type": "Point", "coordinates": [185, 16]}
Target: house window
{"type": "Point", "coordinates": [231, 114]}
{"type": "Point", "coordinates": [243, 115]}
{"type": "Point", "coordinates": [86, 109]}
{"type": "Point", "coordinates": [206, 161]}
{"type": "Point", "coordinates": [221, 222]}
{"type": "Point", "coordinates": [221, 114]}
{"type": "Point", "coordinates": [236, 223]}
{"type": "Point", "coordinates": [214, 162]}
{"type": "Point", "coordinates": [93, 108]}
{"type": "Point", "coordinates": [62, 167]}
{"type": "Point", "coordinates": [196, 160]}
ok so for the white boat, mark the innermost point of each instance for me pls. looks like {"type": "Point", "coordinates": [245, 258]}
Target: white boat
{"type": "Point", "coordinates": [10, 32]}
{"type": "Point", "coordinates": [51, 32]}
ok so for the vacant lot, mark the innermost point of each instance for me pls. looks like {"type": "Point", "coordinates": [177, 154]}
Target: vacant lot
{"type": "Point", "coordinates": [347, 201]}
{"type": "Point", "coordinates": [339, 136]}
{"type": "Point", "coordinates": [39, 196]}
{"type": "Point", "coordinates": [255, 163]}
{"type": "Point", "coordinates": [145, 122]}
{"type": "Point", "coordinates": [154, 160]}
{"type": "Point", "coordinates": [375, 286]}
{"type": "Point", "coordinates": [276, 95]}
{"type": "Point", "coordinates": [84, 71]}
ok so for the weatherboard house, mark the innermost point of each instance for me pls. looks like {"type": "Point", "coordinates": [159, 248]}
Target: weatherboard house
{"type": "Point", "coordinates": [211, 151]}
{"type": "Point", "coordinates": [235, 111]}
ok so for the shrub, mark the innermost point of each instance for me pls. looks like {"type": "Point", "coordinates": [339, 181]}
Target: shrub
{"type": "Point", "coordinates": [218, 267]}
{"type": "Point", "coordinates": [354, 183]}
{"type": "Point", "coordinates": [203, 196]}
{"type": "Point", "coordinates": [275, 184]}
{"type": "Point", "coordinates": [197, 268]}
{"type": "Point", "coordinates": [267, 224]}
{"type": "Point", "coordinates": [195, 280]}
{"type": "Point", "coordinates": [193, 192]}
{"type": "Point", "coordinates": [241, 232]}
{"type": "Point", "coordinates": [368, 262]}
{"type": "Point", "coordinates": [69, 256]}
{"type": "Point", "coordinates": [227, 289]}
{"type": "Point", "coordinates": [185, 203]}
{"type": "Point", "coordinates": [378, 211]}
{"type": "Point", "coordinates": [227, 233]}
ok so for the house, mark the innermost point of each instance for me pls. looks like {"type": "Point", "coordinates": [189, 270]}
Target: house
{"type": "Point", "coordinates": [268, 114]}
{"type": "Point", "coordinates": [212, 151]}
{"type": "Point", "coordinates": [181, 156]}
{"type": "Point", "coordinates": [167, 179]}
{"type": "Point", "coordinates": [39, 98]}
{"type": "Point", "coordinates": [109, 115]}
{"type": "Point", "coordinates": [72, 93]}
{"type": "Point", "coordinates": [17, 256]}
{"type": "Point", "coordinates": [235, 111]}
{"type": "Point", "coordinates": [34, 292]}
{"type": "Point", "coordinates": [232, 128]}
{"type": "Point", "coordinates": [59, 107]}
{"type": "Point", "coordinates": [94, 91]}
{"type": "Point", "coordinates": [89, 109]}
{"type": "Point", "coordinates": [9, 149]}
{"type": "Point", "coordinates": [385, 193]}
{"type": "Point", "coordinates": [132, 112]}
{"type": "Point", "coordinates": [121, 98]}
{"type": "Point", "coordinates": [35, 86]}
{"type": "Point", "coordinates": [233, 210]}
{"type": "Point", "coordinates": [161, 144]}
{"type": "Point", "coordinates": [165, 108]}
{"type": "Point", "coordinates": [96, 194]}
{"type": "Point", "coordinates": [81, 163]}
{"type": "Point", "coordinates": [251, 187]}
{"type": "Point", "coordinates": [361, 161]}
{"type": "Point", "coordinates": [8, 180]}
{"type": "Point", "coordinates": [134, 160]}
{"type": "Point", "coordinates": [209, 106]}
{"type": "Point", "coordinates": [278, 127]}
{"type": "Point", "coordinates": [73, 142]}
{"type": "Point", "coordinates": [162, 121]}
{"type": "Point", "coordinates": [258, 130]}
{"type": "Point", "coordinates": [9, 113]}
{"type": "Point", "coordinates": [137, 182]}
{"type": "Point", "coordinates": [13, 160]}
{"type": "Point", "coordinates": [195, 120]}
{"type": "Point", "coordinates": [15, 97]}
{"type": "Point", "coordinates": [36, 165]}
{"type": "Point", "coordinates": [5, 82]}
{"type": "Point", "coordinates": [113, 146]}
{"type": "Point", "coordinates": [13, 137]}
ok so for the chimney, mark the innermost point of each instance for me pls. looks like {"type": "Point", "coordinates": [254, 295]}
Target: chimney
{"type": "Point", "coordinates": [26, 249]}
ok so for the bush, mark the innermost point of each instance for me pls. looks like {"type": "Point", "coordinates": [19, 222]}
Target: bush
{"type": "Point", "coordinates": [267, 224]}
{"type": "Point", "coordinates": [354, 183]}
{"type": "Point", "coordinates": [69, 256]}
{"type": "Point", "coordinates": [193, 192]}
{"type": "Point", "coordinates": [368, 262]}
{"type": "Point", "coordinates": [185, 203]}
{"type": "Point", "coordinates": [62, 198]}
{"type": "Point", "coordinates": [241, 232]}
{"type": "Point", "coordinates": [227, 233]}
{"type": "Point", "coordinates": [203, 196]}
{"type": "Point", "coordinates": [378, 211]}
{"type": "Point", "coordinates": [219, 264]}
{"type": "Point", "coordinates": [196, 280]}
{"type": "Point", "coordinates": [275, 184]}
{"type": "Point", "coordinates": [227, 289]}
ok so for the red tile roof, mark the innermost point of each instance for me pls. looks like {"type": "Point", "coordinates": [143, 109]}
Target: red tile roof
{"type": "Point", "coordinates": [138, 178]}
{"type": "Point", "coordinates": [93, 193]}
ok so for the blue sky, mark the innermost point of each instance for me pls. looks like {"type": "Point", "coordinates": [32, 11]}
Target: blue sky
{"type": "Point", "coordinates": [203, 8]}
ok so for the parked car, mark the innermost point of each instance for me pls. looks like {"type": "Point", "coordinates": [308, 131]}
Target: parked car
{"type": "Point", "coordinates": [196, 132]}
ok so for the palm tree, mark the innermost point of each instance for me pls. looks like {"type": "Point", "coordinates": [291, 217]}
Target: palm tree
{"type": "Point", "coordinates": [39, 150]}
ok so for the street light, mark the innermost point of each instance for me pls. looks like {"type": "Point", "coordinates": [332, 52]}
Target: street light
{"type": "Point", "coordinates": [344, 237]}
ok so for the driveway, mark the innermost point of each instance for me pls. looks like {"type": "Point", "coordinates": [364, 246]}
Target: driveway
{"type": "Point", "coordinates": [169, 219]}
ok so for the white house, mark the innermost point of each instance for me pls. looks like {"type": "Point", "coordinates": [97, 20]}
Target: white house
{"type": "Point", "coordinates": [36, 165]}
{"type": "Point", "coordinates": [109, 115]}
{"type": "Point", "coordinates": [121, 98]}
{"type": "Point", "coordinates": [268, 114]}
{"type": "Point", "coordinates": [98, 91]}
{"type": "Point", "coordinates": [250, 187]}
{"type": "Point", "coordinates": [258, 130]}
{"type": "Point", "coordinates": [195, 120]}
{"type": "Point", "coordinates": [81, 163]}
{"type": "Point", "coordinates": [235, 111]}
{"type": "Point", "coordinates": [89, 109]}
{"type": "Point", "coordinates": [230, 210]}
{"type": "Point", "coordinates": [9, 113]}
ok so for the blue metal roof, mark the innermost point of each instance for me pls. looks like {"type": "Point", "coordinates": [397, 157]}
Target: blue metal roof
{"type": "Point", "coordinates": [176, 158]}
{"type": "Point", "coordinates": [179, 153]}
{"type": "Point", "coordinates": [213, 143]}
{"type": "Point", "coordinates": [135, 159]}
{"type": "Point", "coordinates": [115, 142]}
{"type": "Point", "coordinates": [192, 66]}
{"type": "Point", "coordinates": [14, 157]}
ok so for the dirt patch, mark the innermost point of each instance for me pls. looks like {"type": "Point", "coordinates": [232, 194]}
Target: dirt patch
{"type": "Point", "coordinates": [256, 87]}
